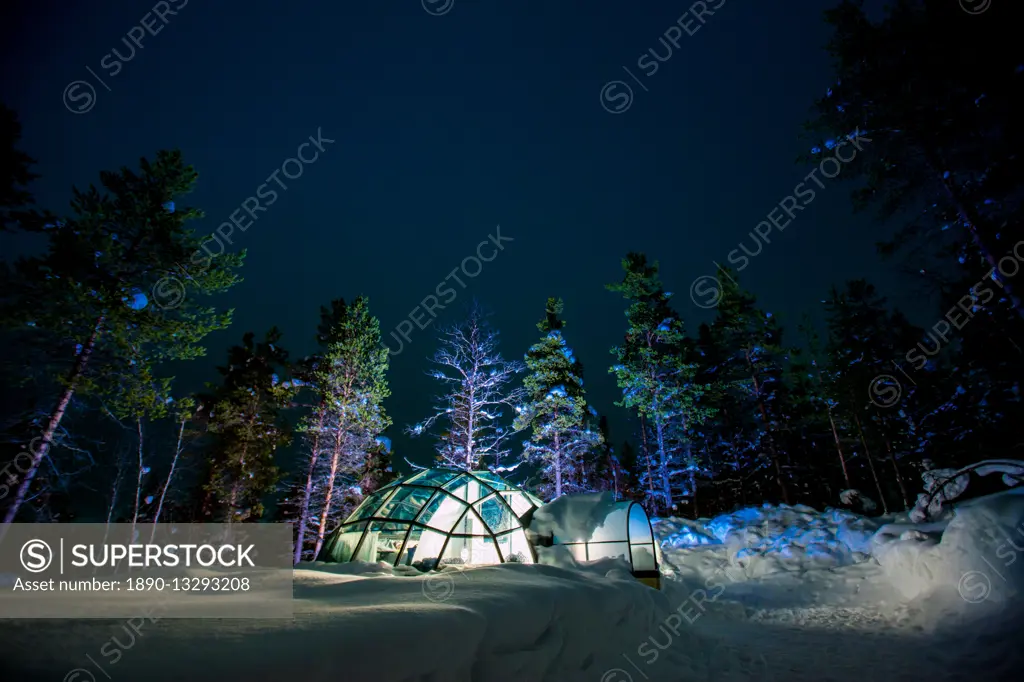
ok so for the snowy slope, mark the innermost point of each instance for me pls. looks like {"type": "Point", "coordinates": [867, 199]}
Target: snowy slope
{"type": "Point", "coordinates": [768, 593]}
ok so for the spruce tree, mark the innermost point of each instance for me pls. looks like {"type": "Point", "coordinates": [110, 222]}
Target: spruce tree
{"type": "Point", "coordinates": [88, 293]}
{"type": "Point", "coordinates": [886, 409]}
{"type": "Point", "coordinates": [750, 366]}
{"type": "Point", "coordinates": [555, 410]}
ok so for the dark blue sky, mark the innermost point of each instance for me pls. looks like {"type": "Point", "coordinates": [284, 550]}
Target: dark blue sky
{"type": "Point", "coordinates": [444, 127]}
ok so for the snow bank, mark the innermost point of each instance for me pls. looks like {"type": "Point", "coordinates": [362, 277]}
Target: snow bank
{"type": "Point", "coordinates": [760, 541]}
{"type": "Point", "coordinates": [677, 533]}
{"type": "Point", "coordinates": [359, 622]}
{"type": "Point", "coordinates": [572, 518]}
{"type": "Point", "coordinates": [976, 553]}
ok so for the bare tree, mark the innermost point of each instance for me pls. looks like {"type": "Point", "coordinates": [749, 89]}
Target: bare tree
{"type": "Point", "coordinates": [477, 382]}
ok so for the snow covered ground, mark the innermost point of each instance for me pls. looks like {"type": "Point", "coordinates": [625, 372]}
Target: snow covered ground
{"type": "Point", "coordinates": [772, 593]}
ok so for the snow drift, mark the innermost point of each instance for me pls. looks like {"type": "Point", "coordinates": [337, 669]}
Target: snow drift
{"type": "Point", "coordinates": [976, 552]}
{"type": "Point", "coordinates": [760, 541]}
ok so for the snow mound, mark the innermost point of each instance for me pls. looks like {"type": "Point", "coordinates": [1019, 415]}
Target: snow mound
{"type": "Point", "coordinates": [677, 533]}
{"type": "Point", "coordinates": [929, 503]}
{"type": "Point", "coordinates": [975, 554]}
{"type": "Point", "coordinates": [759, 541]}
{"type": "Point", "coordinates": [572, 518]}
{"type": "Point", "coordinates": [857, 499]}
{"type": "Point", "coordinates": [504, 623]}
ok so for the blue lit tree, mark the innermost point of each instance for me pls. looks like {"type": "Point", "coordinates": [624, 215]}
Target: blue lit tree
{"type": "Point", "coordinates": [744, 354]}
{"type": "Point", "coordinates": [555, 411]}
{"type": "Point", "coordinates": [657, 378]}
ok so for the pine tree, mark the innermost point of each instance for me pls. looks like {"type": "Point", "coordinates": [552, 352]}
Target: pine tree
{"type": "Point", "coordinates": [15, 168]}
{"type": "Point", "coordinates": [750, 366]}
{"type": "Point", "coordinates": [349, 382]}
{"type": "Point", "coordinates": [246, 420]}
{"type": "Point", "coordinates": [655, 376]}
{"type": "Point", "coordinates": [555, 410]}
{"type": "Point", "coordinates": [813, 375]}
{"type": "Point", "coordinates": [478, 388]}
{"type": "Point", "coordinates": [865, 339]}
{"type": "Point", "coordinates": [87, 292]}
{"type": "Point", "coordinates": [944, 134]}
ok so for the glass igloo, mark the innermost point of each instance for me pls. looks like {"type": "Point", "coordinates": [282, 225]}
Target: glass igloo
{"type": "Point", "coordinates": [624, 531]}
{"type": "Point", "coordinates": [438, 517]}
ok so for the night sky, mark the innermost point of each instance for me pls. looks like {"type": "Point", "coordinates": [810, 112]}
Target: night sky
{"type": "Point", "coordinates": [444, 127]}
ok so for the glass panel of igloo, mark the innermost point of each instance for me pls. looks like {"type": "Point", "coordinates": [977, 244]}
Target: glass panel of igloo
{"type": "Point", "coordinates": [643, 558]}
{"type": "Point", "coordinates": [442, 512]}
{"type": "Point", "coordinates": [386, 540]}
{"type": "Point", "coordinates": [496, 514]}
{"type": "Point", "coordinates": [603, 550]}
{"type": "Point", "coordinates": [342, 543]}
{"type": "Point", "coordinates": [578, 551]}
{"type": "Point", "coordinates": [518, 501]}
{"type": "Point", "coordinates": [466, 488]}
{"type": "Point", "coordinates": [434, 477]}
{"type": "Point", "coordinates": [412, 541]}
{"type": "Point", "coordinates": [427, 548]}
{"type": "Point", "coordinates": [370, 504]}
{"type": "Point", "coordinates": [405, 503]}
{"type": "Point", "coordinates": [639, 526]}
{"type": "Point", "coordinates": [464, 550]}
{"type": "Point", "coordinates": [515, 548]}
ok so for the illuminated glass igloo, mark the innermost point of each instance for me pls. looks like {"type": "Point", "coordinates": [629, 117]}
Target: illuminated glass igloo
{"type": "Point", "coordinates": [438, 517]}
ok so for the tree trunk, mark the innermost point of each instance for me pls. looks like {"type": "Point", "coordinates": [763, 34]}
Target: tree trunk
{"type": "Point", "coordinates": [335, 459]}
{"type": "Point", "coordinates": [167, 483]}
{"type": "Point", "coordinates": [835, 434]}
{"type": "Point", "coordinates": [647, 457]}
{"type": "Point", "coordinates": [138, 479]}
{"type": "Point", "coordinates": [558, 468]}
{"type": "Point", "coordinates": [307, 493]}
{"type": "Point", "coordinates": [51, 427]}
{"type": "Point", "coordinates": [871, 465]}
{"type": "Point", "coordinates": [839, 449]}
{"type": "Point", "coordinates": [691, 465]}
{"type": "Point", "coordinates": [113, 493]}
{"type": "Point", "coordinates": [236, 484]}
{"type": "Point", "coordinates": [666, 485]}
{"type": "Point", "coordinates": [471, 412]}
{"type": "Point", "coordinates": [899, 478]}
{"type": "Point", "coordinates": [615, 477]}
